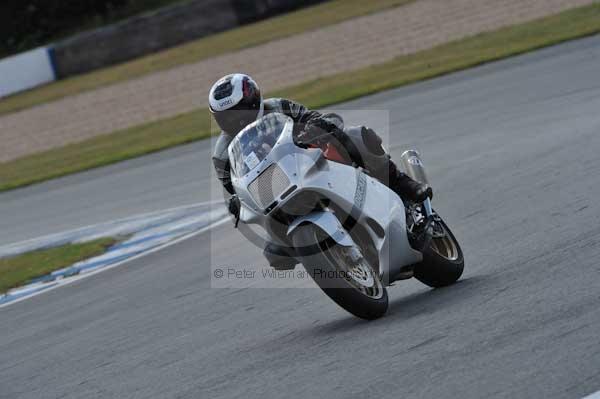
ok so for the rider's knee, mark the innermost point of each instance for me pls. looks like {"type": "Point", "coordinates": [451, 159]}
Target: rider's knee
{"type": "Point", "coordinates": [372, 141]}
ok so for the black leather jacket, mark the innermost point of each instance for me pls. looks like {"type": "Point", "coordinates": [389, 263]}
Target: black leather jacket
{"type": "Point", "coordinates": [298, 112]}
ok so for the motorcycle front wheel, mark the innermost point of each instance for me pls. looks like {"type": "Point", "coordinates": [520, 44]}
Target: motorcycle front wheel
{"type": "Point", "coordinates": [341, 272]}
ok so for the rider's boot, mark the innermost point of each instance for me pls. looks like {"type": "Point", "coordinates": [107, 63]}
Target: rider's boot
{"type": "Point", "coordinates": [407, 188]}
{"type": "Point", "coordinates": [404, 185]}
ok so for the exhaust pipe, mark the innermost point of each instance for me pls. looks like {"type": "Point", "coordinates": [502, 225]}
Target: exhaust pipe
{"type": "Point", "coordinates": [413, 166]}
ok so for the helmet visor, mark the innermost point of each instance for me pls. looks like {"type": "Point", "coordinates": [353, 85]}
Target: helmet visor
{"type": "Point", "coordinates": [231, 121]}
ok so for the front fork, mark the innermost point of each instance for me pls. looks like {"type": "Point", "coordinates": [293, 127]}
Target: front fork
{"type": "Point", "coordinates": [427, 207]}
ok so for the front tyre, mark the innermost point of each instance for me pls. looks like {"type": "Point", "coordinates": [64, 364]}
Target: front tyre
{"type": "Point", "coordinates": [443, 262]}
{"type": "Point", "coordinates": [342, 273]}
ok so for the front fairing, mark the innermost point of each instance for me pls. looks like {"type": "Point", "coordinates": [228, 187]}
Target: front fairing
{"type": "Point", "coordinates": [291, 160]}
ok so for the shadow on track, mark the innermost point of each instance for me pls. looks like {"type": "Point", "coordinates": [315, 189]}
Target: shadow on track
{"type": "Point", "coordinates": [429, 301]}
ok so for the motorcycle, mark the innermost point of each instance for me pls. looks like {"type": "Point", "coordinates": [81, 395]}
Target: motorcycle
{"type": "Point", "coordinates": [353, 235]}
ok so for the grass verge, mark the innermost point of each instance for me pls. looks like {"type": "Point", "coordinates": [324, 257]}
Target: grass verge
{"type": "Point", "coordinates": [195, 125]}
{"type": "Point", "coordinates": [18, 270]}
{"type": "Point", "coordinates": [304, 20]}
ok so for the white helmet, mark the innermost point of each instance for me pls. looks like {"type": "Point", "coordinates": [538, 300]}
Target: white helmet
{"type": "Point", "coordinates": [235, 102]}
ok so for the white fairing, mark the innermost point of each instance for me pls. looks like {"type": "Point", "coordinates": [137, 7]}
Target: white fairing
{"type": "Point", "coordinates": [377, 209]}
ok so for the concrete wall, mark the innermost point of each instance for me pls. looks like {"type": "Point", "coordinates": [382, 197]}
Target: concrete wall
{"type": "Point", "coordinates": [160, 29]}
{"type": "Point", "coordinates": [26, 70]}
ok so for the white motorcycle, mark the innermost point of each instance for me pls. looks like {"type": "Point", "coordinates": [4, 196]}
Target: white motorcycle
{"type": "Point", "coordinates": [352, 233]}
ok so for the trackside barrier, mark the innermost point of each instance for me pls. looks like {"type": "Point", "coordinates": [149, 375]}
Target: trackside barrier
{"type": "Point", "coordinates": [134, 37]}
{"type": "Point", "coordinates": [25, 71]}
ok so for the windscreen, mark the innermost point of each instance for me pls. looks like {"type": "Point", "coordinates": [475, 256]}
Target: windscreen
{"type": "Point", "coordinates": [255, 142]}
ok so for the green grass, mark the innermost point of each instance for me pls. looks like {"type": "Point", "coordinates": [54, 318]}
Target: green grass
{"type": "Point", "coordinates": [191, 126]}
{"type": "Point", "coordinates": [289, 24]}
{"type": "Point", "coordinates": [18, 270]}
{"type": "Point", "coordinates": [105, 149]}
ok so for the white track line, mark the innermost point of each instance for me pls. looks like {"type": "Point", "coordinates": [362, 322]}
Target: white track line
{"type": "Point", "coordinates": [69, 280]}
{"type": "Point", "coordinates": [595, 395]}
{"type": "Point", "coordinates": [121, 220]}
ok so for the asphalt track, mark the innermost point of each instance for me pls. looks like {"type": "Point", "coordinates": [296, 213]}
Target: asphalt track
{"type": "Point", "coordinates": [512, 149]}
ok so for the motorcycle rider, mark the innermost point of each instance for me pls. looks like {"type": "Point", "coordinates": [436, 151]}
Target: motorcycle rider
{"type": "Point", "coordinates": [235, 101]}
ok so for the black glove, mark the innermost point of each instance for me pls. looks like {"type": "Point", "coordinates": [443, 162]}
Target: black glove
{"type": "Point", "coordinates": [234, 207]}
{"type": "Point", "coordinates": [317, 131]}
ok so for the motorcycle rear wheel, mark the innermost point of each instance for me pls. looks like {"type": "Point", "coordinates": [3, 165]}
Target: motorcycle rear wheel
{"type": "Point", "coordinates": [357, 287]}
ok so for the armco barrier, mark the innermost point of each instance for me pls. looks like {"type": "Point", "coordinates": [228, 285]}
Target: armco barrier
{"type": "Point", "coordinates": [166, 27]}
{"type": "Point", "coordinates": [142, 34]}
{"type": "Point", "coordinates": [26, 70]}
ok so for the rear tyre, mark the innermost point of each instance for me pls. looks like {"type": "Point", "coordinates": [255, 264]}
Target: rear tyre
{"type": "Point", "coordinates": [443, 262]}
{"type": "Point", "coordinates": [342, 273]}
